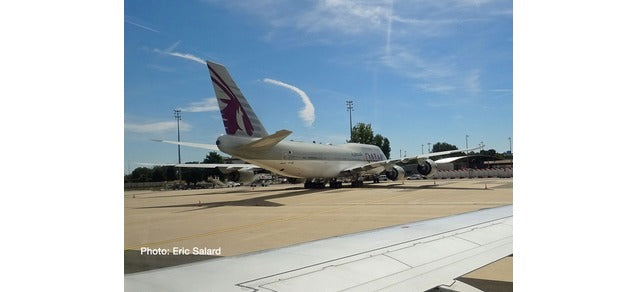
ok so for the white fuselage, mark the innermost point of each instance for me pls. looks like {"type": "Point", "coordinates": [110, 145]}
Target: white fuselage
{"type": "Point", "coordinates": [303, 160]}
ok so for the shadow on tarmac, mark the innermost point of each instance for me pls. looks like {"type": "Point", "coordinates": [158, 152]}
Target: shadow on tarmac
{"type": "Point", "coordinates": [441, 186]}
{"type": "Point", "coordinates": [233, 191]}
{"type": "Point", "coordinates": [135, 262]}
{"type": "Point", "coordinates": [264, 201]}
{"type": "Point", "coordinates": [258, 201]}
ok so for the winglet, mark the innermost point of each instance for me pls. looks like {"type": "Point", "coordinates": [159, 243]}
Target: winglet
{"type": "Point", "coordinates": [268, 141]}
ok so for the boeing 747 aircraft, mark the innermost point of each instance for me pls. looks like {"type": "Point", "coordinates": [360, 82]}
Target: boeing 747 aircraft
{"type": "Point", "coordinates": [318, 164]}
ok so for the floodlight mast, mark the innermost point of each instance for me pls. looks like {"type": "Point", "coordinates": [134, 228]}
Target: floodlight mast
{"type": "Point", "coordinates": [178, 117]}
{"type": "Point", "coordinates": [350, 107]}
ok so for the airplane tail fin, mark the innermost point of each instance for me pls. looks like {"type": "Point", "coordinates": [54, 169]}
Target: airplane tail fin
{"type": "Point", "coordinates": [239, 118]}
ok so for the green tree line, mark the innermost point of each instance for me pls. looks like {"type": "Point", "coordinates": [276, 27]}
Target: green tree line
{"type": "Point", "coordinates": [170, 173]}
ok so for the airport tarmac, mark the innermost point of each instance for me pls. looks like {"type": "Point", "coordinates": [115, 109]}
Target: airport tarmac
{"type": "Point", "coordinates": [233, 221]}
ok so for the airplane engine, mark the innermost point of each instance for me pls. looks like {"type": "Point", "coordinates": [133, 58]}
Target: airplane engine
{"type": "Point", "coordinates": [242, 176]}
{"type": "Point", "coordinates": [428, 168]}
{"type": "Point", "coordinates": [396, 173]}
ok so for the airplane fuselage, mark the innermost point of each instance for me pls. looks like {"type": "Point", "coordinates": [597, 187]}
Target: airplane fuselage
{"type": "Point", "coordinates": [303, 160]}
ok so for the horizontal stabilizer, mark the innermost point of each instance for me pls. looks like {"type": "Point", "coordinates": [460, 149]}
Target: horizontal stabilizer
{"type": "Point", "coordinates": [268, 141]}
{"type": "Point", "coordinates": [190, 144]}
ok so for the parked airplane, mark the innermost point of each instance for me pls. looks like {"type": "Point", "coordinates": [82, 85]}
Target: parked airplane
{"type": "Point", "coordinates": [247, 139]}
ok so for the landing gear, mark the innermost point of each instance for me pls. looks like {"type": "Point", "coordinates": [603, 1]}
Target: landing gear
{"type": "Point", "coordinates": [335, 184]}
{"type": "Point", "coordinates": [320, 184]}
{"type": "Point", "coordinates": [314, 185]}
{"type": "Point", "coordinates": [357, 184]}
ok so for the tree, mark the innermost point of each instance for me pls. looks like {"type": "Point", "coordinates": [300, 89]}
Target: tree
{"type": "Point", "coordinates": [192, 174]}
{"type": "Point", "coordinates": [213, 157]}
{"type": "Point", "coordinates": [442, 146]}
{"type": "Point", "coordinates": [362, 133]}
{"type": "Point", "coordinates": [140, 174]}
{"type": "Point", "coordinates": [385, 147]}
{"type": "Point", "coordinates": [490, 152]}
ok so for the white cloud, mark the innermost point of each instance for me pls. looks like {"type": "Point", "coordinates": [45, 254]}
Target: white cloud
{"type": "Point", "coordinates": [157, 127]}
{"type": "Point", "coordinates": [308, 112]}
{"type": "Point", "coordinates": [395, 34]}
{"type": "Point", "coordinates": [206, 105]}
{"type": "Point", "coordinates": [473, 82]}
{"type": "Point", "coordinates": [188, 57]}
{"type": "Point", "coordinates": [346, 16]}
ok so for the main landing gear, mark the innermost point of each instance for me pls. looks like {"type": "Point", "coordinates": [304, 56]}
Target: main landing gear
{"type": "Point", "coordinates": [334, 184]}
{"type": "Point", "coordinates": [357, 184]}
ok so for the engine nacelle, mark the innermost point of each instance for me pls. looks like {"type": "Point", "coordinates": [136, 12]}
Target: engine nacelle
{"type": "Point", "coordinates": [396, 173]}
{"type": "Point", "coordinates": [242, 176]}
{"type": "Point", "coordinates": [428, 168]}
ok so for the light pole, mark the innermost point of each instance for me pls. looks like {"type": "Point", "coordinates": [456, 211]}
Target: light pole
{"type": "Point", "coordinates": [467, 156]}
{"type": "Point", "coordinates": [421, 149]}
{"type": "Point", "coordinates": [178, 116]}
{"type": "Point", "coordinates": [350, 107]}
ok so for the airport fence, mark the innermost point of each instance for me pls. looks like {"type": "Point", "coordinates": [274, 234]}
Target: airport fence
{"type": "Point", "coordinates": [475, 173]}
{"type": "Point", "coordinates": [147, 185]}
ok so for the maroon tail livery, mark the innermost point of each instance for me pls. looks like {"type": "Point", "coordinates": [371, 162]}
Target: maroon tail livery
{"type": "Point", "coordinates": [239, 118]}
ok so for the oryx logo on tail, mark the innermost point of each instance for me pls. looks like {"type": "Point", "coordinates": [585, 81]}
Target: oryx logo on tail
{"type": "Point", "coordinates": [239, 118]}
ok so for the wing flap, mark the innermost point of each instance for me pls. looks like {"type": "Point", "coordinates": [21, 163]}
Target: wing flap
{"type": "Point", "coordinates": [405, 266]}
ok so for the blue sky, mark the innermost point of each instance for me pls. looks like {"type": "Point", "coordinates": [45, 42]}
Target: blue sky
{"type": "Point", "coordinates": [418, 71]}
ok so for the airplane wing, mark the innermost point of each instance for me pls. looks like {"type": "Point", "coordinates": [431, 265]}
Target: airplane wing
{"type": "Point", "coordinates": [190, 144]}
{"type": "Point", "coordinates": [233, 166]}
{"type": "Point", "coordinates": [390, 162]}
{"type": "Point", "coordinates": [433, 154]}
{"type": "Point", "coordinates": [408, 257]}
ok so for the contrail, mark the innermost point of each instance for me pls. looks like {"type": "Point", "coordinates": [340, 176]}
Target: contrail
{"type": "Point", "coordinates": [141, 26]}
{"type": "Point", "coordinates": [157, 127]}
{"type": "Point", "coordinates": [388, 36]}
{"type": "Point", "coordinates": [308, 112]}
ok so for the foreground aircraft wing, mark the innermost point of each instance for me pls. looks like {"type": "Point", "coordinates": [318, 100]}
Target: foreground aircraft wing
{"type": "Point", "coordinates": [410, 257]}
{"type": "Point", "coordinates": [190, 144]}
